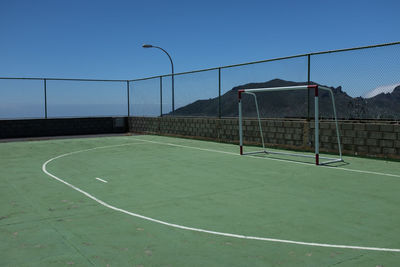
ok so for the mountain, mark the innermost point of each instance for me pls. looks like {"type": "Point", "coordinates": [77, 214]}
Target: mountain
{"type": "Point", "coordinates": [381, 89]}
{"type": "Point", "coordinates": [293, 104]}
{"type": "Point", "coordinates": [385, 105]}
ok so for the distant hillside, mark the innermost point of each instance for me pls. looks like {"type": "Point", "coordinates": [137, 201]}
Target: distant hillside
{"type": "Point", "coordinates": [381, 89]}
{"type": "Point", "coordinates": [294, 103]}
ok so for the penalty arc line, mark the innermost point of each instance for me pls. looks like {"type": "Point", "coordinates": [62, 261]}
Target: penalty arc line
{"type": "Point", "coordinates": [44, 169]}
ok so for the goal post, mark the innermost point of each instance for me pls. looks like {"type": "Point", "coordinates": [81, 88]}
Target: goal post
{"type": "Point", "coordinates": [316, 89]}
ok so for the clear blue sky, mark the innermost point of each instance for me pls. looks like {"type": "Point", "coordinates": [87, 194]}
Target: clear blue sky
{"type": "Point", "coordinates": [103, 39]}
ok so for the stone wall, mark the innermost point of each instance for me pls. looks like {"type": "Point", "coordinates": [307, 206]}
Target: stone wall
{"type": "Point", "coordinates": [64, 126]}
{"type": "Point", "coordinates": [368, 138]}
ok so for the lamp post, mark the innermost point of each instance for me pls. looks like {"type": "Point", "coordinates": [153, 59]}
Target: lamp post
{"type": "Point", "coordinates": [172, 66]}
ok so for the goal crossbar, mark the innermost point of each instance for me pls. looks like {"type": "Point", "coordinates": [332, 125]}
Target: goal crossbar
{"type": "Point", "coordinates": [316, 89]}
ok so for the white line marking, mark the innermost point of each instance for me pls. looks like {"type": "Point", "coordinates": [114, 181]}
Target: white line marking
{"type": "Point", "coordinates": [44, 166]}
{"type": "Point", "coordinates": [274, 159]}
{"type": "Point", "coordinates": [101, 180]}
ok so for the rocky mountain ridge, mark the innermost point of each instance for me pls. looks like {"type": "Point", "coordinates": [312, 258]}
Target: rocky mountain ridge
{"type": "Point", "coordinates": [293, 104]}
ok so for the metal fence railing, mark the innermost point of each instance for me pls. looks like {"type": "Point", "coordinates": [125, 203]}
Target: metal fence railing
{"type": "Point", "coordinates": [365, 80]}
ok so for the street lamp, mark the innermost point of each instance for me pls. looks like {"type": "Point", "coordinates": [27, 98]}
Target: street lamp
{"type": "Point", "coordinates": [172, 66]}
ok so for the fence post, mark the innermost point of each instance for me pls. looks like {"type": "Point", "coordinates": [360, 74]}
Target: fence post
{"type": "Point", "coordinates": [45, 98]}
{"type": "Point", "coordinates": [219, 93]}
{"type": "Point", "coordinates": [127, 94]}
{"type": "Point", "coordinates": [160, 96]}
{"type": "Point", "coordinates": [308, 83]}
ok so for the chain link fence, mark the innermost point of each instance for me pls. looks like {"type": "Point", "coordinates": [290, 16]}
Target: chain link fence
{"type": "Point", "coordinates": [365, 82]}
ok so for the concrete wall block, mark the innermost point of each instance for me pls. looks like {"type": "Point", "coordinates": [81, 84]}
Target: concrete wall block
{"type": "Point", "coordinates": [290, 142]}
{"type": "Point", "coordinates": [325, 138]}
{"type": "Point", "coordinates": [374, 150]}
{"type": "Point", "coordinates": [297, 137]}
{"type": "Point", "coordinates": [289, 130]}
{"type": "Point", "coordinates": [333, 126]}
{"type": "Point", "coordinates": [264, 124]}
{"type": "Point", "coordinates": [375, 135]}
{"type": "Point", "coordinates": [386, 128]}
{"type": "Point", "coordinates": [326, 145]}
{"type": "Point", "coordinates": [386, 143]}
{"type": "Point", "coordinates": [347, 140]}
{"type": "Point", "coordinates": [363, 149]}
{"type": "Point", "coordinates": [272, 141]}
{"type": "Point", "coordinates": [361, 134]}
{"type": "Point", "coordinates": [298, 143]}
{"type": "Point", "coordinates": [272, 129]}
{"type": "Point", "coordinates": [325, 125]}
{"type": "Point", "coordinates": [359, 141]}
{"type": "Point", "coordinates": [372, 127]}
{"type": "Point", "coordinates": [328, 132]}
{"type": "Point", "coordinates": [281, 141]}
{"type": "Point", "coordinates": [348, 147]}
{"type": "Point", "coordinates": [255, 123]}
{"type": "Point", "coordinates": [296, 124]}
{"type": "Point", "coordinates": [397, 144]}
{"type": "Point", "coordinates": [359, 126]}
{"type": "Point", "coordinates": [287, 124]}
{"type": "Point", "coordinates": [298, 131]}
{"type": "Point", "coordinates": [387, 150]}
{"type": "Point", "coordinates": [287, 136]}
{"type": "Point", "coordinates": [389, 136]}
{"type": "Point", "coordinates": [347, 126]}
{"type": "Point", "coordinates": [350, 133]}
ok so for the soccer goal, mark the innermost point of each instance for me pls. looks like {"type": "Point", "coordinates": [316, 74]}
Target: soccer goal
{"type": "Point", "coordinates": [319, 160]}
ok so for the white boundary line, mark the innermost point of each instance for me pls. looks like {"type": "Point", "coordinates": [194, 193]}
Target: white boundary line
{"type": "Point", "coordinates": [101, 180]}
{"type": "Point", "coordinates": [274, 159]}
{"type": "Point", "coordinates": [44, 169]}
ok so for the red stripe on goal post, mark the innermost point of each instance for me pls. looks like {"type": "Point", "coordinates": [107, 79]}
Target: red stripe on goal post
{"type": "Point", "coordinates": [315, 87]}
{"type": "Point", "coordinates": [240, 93]}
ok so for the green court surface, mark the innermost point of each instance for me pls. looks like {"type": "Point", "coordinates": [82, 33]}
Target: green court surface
{"type": "Point", "coordinates": [163, 201]}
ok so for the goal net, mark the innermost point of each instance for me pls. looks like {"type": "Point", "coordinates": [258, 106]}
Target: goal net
{"type": "Point", "coordinates": [319, 160]}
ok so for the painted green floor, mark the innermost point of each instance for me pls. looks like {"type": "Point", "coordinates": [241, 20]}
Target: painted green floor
{"type": "Point", "coordinates": [197, 184]}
